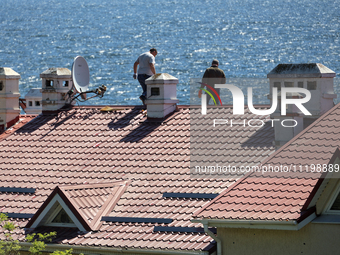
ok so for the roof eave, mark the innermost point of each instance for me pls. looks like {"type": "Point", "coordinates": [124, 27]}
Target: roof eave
{"type": "Point", "coordinates": [108, 250]}
{"type": "Point", "coordinates": [256, 224]}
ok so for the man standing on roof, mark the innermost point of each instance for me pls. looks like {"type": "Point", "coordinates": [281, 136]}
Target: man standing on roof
{"type": "Point", "coordinates": [213, 75]}
{"type": "Point", "coordinates": [146, 62]}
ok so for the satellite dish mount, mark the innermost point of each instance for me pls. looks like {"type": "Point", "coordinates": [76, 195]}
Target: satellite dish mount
{"type": "Point", "coordinates": [81, 81]}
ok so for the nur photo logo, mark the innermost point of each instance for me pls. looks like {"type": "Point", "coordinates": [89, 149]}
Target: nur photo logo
{"type": "Point", "coordinates": [238, 99]}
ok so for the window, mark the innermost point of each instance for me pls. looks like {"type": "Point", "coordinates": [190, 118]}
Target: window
{"type": "Point", "coordinates": [311, 85]}
{"type": "Point", "coordinates": [37, 103]}
{"type": "Point", "coordinates": [300, 84]}
{"type": "Point", "coordinates": [1, 85]}
{"type": "Point", "coordinates": [289, 84]}
{"type": "Point", "coordinates": [333, 207]}
{"type": "Point", "coordinates": [336, 204]}
{"type": "Point", "coordinates": [59, 217]}
{"type": "Point", "coordinates": [155, 92]}
{"type": "Point", "coordinates": [30, 103]}
{"type": "Point", "coordinates": [62, 217]}
{"type": "Point", "coordinates": [49, 83]}
{"type": "Point", "coordinates": [277, 85]}
{"type": "Point", "coordinates": [65, 83]}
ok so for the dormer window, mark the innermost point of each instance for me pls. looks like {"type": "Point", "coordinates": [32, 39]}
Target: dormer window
{"type": "Point", "coordinates": [63, 208]}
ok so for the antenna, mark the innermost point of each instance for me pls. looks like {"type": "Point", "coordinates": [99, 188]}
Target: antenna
{"type": "Point", "coordinates": [81, 81]}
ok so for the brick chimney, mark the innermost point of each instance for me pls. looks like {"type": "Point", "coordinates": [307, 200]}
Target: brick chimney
{"type": "Point", "coordinates": [56, 82]}
{"type": "Point", "coordinates": [161, 95]}
{"type": "Point", "coordinates": [9, 97]}
{"type": "Point", "coordinates": [316, 78]}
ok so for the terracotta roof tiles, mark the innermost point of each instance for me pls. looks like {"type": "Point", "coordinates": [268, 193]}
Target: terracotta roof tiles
{"type": "Point", "coordinates": [281, 196]}
{"type": "Point", "coordinates": [82, 146]}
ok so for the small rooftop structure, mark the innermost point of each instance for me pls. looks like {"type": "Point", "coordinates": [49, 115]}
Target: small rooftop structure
{"type": "Point", "coordinates": [310, 70]}
{"type": "Point", "coordinates": [56, 82]}
{"type": "Point", "coordinates": [9, 97]}
{"type": "Point", "coordinates": [161, 95]}
{"type": "Point", "coordinates": [33, 101]}
{"type": "Point", "coordinates": [317, 79]}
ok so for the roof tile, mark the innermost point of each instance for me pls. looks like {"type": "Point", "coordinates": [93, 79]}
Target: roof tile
{"type": "Point", "coordinates": [85, 146]}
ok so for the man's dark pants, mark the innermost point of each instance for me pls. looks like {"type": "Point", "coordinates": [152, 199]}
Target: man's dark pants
{"type": "Point", "coordinates": [141, 79]}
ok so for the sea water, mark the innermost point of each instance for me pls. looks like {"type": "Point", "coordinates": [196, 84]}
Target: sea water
{"type": "Point", "coordinates": [248, 37]}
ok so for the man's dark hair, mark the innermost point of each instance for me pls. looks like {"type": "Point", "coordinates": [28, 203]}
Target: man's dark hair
{"type": "Point", "coordinates": [215, 62]}
{"type": "Point", "coordinates": [152, 50]}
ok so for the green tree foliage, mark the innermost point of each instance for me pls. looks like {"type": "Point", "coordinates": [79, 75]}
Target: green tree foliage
{"type": "Point", "coordinates": [9, 246]}
{"type": "Point", "coordinates": [38, 241]}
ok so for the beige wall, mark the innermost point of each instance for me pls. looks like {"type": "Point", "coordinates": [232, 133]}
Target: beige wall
{"type": "Point", "coordinates": [312, 239]}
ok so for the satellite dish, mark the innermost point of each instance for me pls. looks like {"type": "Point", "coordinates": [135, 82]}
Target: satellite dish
{"type": "Point", "coordinates": [80, 74]}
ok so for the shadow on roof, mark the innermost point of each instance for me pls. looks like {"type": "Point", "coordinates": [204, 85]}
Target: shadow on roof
{"type": "Point", "coordinates": [143, 130]}
{"type": "Point", "coordinates": [62, 232]}
{"type": "Point", "coordinates": [262, 138]}
{"type": "Point", "coordinates": [122, 120]}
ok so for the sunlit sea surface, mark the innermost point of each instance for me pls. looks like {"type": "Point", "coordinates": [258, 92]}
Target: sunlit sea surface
{"type": "Point", "coordinates": [248, 37]}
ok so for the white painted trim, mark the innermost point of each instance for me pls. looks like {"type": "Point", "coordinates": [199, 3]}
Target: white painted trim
{"type": "Point", "coordinates": [327, 219]}
{"type": "Point", "coordinates": [256, 224]}
{"type": "Point", "coordinates": [309, 219]}
{"type": "Point", "coordinates": [328, 207]}
{"type": "Point", "coordinates": [47, 209]}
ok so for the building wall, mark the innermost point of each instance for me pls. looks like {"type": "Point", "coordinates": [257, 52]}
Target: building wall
{"type": "Point", "coordinates": [313, 239]}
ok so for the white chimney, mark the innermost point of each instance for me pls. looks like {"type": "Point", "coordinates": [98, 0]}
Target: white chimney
{"type": "Point", "coordinates": [9, 97]}
{"type": "Point", "coordinates": [161, 95]}
{"type": "Point", "coordinates": [56, 82]}
{"type": "Point", "coordinates": [315, 77]}
{"type": "Point", "coordinates": [33, 101]}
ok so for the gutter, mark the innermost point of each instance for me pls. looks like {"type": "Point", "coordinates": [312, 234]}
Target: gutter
{"type": "Point", "coordinates": [213, 236]}
{"type": "Point", "coordinates": [100, 250]}
{"type": "Point", "coordinates": [256, 224]}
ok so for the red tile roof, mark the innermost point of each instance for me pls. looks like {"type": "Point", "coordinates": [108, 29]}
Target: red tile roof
{"type": "Point", "coordinates": [86, 146]}
{"type": "Point", "coordinates": [282, 196]}
{"type": "Point", "coordinates": [88, 202]}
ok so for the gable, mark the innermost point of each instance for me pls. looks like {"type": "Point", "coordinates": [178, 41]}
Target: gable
{"type": "Point", "coordinates": [65, 206]}
{"type": "Point", "coordinates": [50, 212]}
